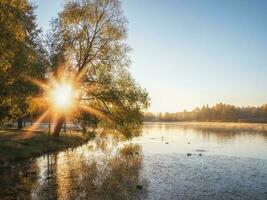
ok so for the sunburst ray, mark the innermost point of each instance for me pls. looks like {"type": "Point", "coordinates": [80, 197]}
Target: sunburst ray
{"type": "Point", "coordinates": [38, 121]}
{"type": "Point", "coordinates": [39, 83]}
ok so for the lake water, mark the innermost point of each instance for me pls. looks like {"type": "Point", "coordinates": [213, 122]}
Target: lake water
{"type": "Point", "coordinates": [167, 138]}
{"type": "Point", "coordinates": [169, 161]}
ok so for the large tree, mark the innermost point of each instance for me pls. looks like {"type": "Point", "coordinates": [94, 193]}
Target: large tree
{"type": "Point", "coordinates": [88, 41]}
{"type": "Point", "coordinates": [21, 56]}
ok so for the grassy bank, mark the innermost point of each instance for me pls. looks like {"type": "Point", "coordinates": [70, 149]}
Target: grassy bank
{"type": "Point", "coordinates": [14, 148]}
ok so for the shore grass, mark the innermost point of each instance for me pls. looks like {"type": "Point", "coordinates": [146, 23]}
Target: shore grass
{"type": "Point", "coordinates": [12, 149]}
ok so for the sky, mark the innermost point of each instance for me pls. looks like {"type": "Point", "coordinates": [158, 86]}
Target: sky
{"type": "Point", "coordinates": [189, 53]}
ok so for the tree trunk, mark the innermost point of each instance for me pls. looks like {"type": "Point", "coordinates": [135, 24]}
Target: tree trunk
{"type": "Point", "coordinates": [20, 124]}
{"type": "Point", "coordinates": [84, 129]}
{"type": "Point", "coordinates": [65, 126]}
{"type": "Point", "coordinates": [58, 127]}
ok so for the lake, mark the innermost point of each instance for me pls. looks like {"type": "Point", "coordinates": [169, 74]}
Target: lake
{"type": "Point", "coordinates": [169, 161]}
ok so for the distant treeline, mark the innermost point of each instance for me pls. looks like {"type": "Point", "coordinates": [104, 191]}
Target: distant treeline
{"type": "Point", "coordinates": [220, 112]}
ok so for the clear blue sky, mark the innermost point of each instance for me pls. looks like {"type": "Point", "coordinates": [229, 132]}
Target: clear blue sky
{"type": "Point", "coordinates": [187, 53]}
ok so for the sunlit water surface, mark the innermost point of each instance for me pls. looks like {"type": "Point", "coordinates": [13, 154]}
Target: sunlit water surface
{"type": "Point", "coordinates": [169, 161]}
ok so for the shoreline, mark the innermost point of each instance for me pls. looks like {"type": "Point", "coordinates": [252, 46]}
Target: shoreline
{"type": "Point", "coordinates": [14, 151]}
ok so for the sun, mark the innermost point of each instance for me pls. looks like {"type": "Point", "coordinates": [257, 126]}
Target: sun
{"type": "Point", "coordinates": [62, 96]}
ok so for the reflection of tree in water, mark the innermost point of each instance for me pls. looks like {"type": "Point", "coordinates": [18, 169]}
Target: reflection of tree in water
{"type": "Point", "coordinates": [79, 174]}
{"type": "Point", "coordinates": [46, 184]}
{"type": "Point", "coordinates": [18, 181]}
{"type": "Point", "coordinates": [221, 134]}
{"type": "Point", "coordinates": [109, 177]}
{"type": "Point", "coordinates": [224, 135]}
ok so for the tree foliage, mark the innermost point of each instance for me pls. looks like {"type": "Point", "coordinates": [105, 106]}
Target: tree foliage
{"type": "Point", "coordinates": [87, 44]}
{"type": "Point", "coordinates": [21, 56]}
{"type": "Point", "coordinates": [88, 41]}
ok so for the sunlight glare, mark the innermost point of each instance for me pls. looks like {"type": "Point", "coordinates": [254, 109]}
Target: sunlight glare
{"type": "Point", "coordinates": [62, 96]}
